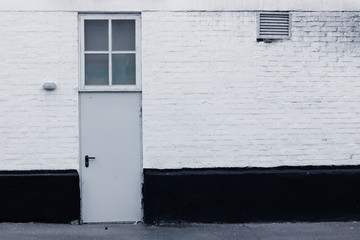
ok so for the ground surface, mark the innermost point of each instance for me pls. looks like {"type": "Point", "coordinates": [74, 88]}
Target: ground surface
{"type": "Point", "coordinates": [269, 231]}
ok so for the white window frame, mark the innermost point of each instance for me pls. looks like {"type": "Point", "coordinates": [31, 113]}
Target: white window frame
{"type": "Point", "coordinates": [110, 87]}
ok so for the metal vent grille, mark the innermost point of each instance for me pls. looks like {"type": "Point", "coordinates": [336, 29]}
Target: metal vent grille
{"type": "Point", "coordinates": [273, 26]}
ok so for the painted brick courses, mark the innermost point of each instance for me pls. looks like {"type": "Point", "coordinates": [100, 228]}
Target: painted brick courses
{"type": "Point", "coordinates": [214, 97]}
{"type": "Point", "coordinates": [38, 129]}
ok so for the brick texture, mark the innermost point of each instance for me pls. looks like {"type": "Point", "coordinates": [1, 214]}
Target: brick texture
{"type": "Point", "coordinates": [212, 95]}
{"type": "Point", "coordinates": [215, 97]}
{"type": "Point", "coordinates": [38, 129]}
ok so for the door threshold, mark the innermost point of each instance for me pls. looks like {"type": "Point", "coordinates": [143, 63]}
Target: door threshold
{"type": "Point", "coordinates": [113, 222]}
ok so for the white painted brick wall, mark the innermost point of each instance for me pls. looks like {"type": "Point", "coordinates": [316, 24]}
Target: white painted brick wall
{"type": "Point", "coordinates": [214, 97]}
{"type": "Point", "coordinates": [38, 129]}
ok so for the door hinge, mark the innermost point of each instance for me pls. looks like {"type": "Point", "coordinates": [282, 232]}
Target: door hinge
{"type": "Point", "coordinates": [140, 111]}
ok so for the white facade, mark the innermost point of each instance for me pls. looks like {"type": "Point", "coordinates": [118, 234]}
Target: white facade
{"type": "Point", "coordinates": [39, 129]}
{"type": "Point", "coordinates": [212, 95]}
{"type": "Point", "coordinates": [184, 5]}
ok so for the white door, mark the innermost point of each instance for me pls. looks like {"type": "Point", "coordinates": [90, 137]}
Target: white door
{"type": "Point", "coordinates": [110, 125]}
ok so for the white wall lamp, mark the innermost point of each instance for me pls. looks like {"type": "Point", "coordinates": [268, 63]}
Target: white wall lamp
{"type": "Point", "coordinates": [49, 86]}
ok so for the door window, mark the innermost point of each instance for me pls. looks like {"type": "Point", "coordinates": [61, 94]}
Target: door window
{"type": "Point", "coordinates": [110, 53]}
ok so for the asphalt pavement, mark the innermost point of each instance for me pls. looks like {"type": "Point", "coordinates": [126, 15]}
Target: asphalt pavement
{"type": "Point", "coordinates": [251, 231]}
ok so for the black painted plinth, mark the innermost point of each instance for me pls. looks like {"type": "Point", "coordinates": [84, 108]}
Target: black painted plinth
{"type": "Point", "coordinates": [39, 196]}
{"type": "Point", "coordinates": [252, 194]}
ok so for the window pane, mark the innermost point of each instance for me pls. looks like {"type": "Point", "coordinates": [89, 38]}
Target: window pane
{"type": "Point", "coordinates": [123, 35]}
{"type": "Point", "coordinates": [123, 69]}
{"type": "Point", "coordinates": [96, 35]}
{"type": "Point", "coordinates": [96, 69]}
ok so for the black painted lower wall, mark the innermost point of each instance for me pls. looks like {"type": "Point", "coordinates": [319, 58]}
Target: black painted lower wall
{"type": "Point", "coordinates": [252, 194]}
{"type": "Point", "coordinates": [39, 196]}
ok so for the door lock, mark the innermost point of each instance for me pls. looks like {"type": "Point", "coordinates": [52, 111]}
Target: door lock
{"type": "Point", "coordinates": [87, 158]}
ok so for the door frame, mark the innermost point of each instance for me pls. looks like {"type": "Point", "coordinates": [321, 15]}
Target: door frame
{"type": "Point", "coordinates": [119, 89]}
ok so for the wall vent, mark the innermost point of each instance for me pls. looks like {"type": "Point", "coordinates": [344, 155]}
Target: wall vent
{"type": "Point", "coordinates": [273, 26]}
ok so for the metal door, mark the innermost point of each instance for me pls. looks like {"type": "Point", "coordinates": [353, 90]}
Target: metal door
{"type": "Point", "coordinates": [110, 139]}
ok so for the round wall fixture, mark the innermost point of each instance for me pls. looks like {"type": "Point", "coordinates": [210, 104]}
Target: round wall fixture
{"type": "Point", "coordinates": [49, 86]}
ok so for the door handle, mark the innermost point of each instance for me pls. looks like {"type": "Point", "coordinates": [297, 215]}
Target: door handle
{"type": "Point", "coordinates": [87, 158]}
